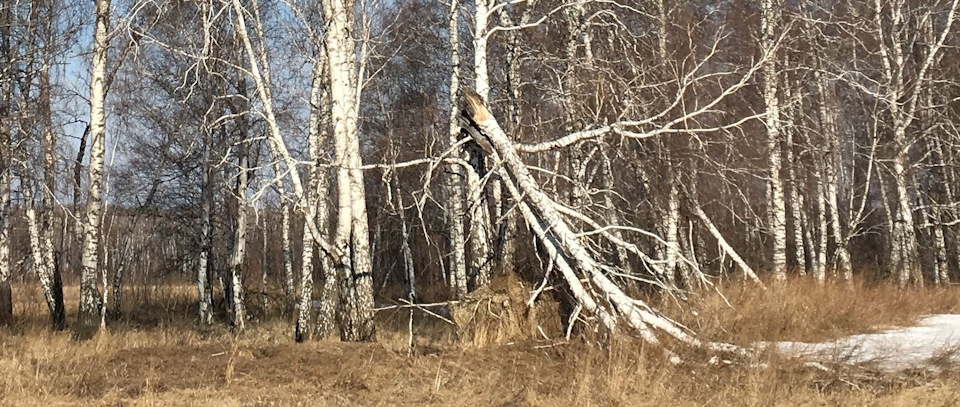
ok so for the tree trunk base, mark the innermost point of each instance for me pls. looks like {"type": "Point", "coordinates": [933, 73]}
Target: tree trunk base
{"type": "Point", "coordinates": [499, 313]}
{"type": "Point", "coordinates": [6, 304]}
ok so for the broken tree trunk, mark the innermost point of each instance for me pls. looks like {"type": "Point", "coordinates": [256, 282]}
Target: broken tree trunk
{"type": "Point", "coordinates": [600, 296]}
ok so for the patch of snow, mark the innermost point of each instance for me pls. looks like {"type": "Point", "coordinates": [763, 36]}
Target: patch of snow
{"type": "Point", "coordinates": [936, 337]}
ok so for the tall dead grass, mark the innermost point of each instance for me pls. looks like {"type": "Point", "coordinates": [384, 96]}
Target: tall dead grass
{"type": "Point", "coordinates": [802, 310]}
{"type": "Point", "coordinates": [161, 358]}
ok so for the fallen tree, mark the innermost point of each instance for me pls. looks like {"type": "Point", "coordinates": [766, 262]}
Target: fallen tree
{"type": "Point", "coordinates": [587, 278]}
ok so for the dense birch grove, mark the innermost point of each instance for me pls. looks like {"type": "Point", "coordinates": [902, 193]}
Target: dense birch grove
{"type": "Point", "coordinates": [326, 157]}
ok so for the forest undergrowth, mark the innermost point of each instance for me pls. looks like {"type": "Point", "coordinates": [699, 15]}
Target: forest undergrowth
{"type": "Point", "coordinates": [149, 356]}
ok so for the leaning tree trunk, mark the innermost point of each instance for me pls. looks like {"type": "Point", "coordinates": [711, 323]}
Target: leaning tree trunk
{"type": "Point", "coordinates": [602, 298]}
{"type": "Point", "coordinates": [90, 299]}
{"type": "Point", "coordinates": [724, 246]}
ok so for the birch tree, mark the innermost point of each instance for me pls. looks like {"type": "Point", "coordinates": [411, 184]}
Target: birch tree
{"type": "Point", "coordinates": [90, 299]}
{"type": "Point", "coordinates": [899, 93]}
{"type": "Point", "coordinates": [6, 141]}
{"type": "Point", "coordinates": [351, 236]}
{"type": "Point", "coordinates": [776, 209]}
{"type": "Point", "coordinates": [454, 182]}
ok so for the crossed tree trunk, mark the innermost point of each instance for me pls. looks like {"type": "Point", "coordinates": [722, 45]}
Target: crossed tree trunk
{"type": "Point", "coordinates": [587, 278]}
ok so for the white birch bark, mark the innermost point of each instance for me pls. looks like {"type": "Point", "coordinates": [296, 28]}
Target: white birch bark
{"type": "Point", "coordinates": [6, 295]}
{"type": "Point", "coordinates": [482, 230]}
{"type": "Point", "coordinates": [239, 248]}
{"type": "Point", "coordinates": [479, 233]}
{"type": "Point", "coordinates": [827, 108]}
{"type": "Point", "coordinates": [264, 264]}
{"type": "Point", "coordinates": [820, 269]}
{"type": "Point", "coordinates": [352, 232]}
{"type": "Point", "coordinates": [727, 249]}
{"type": "Point", "coordinates": [577, 191]}
{"type": "Point", "coordinates": [481, 74]}
{"type": "Point", "coordinates": [338, 34]}
{"type": "Point", "coordinates": [286, 245]}
{"type": "Point", "coordinates": [900, 94]}
{"type": "Point", "coordinates": [406, 252]}
{"type": "Point", "coordinates": [940, 213]}
{"type": "Point", "coordinates": [769, 27]}
{"type": "Point", "coordinates": [454, 182]}
{"type": "Point", "coordinates": [508, 236]}
{"type": "Point", "coordinates": [90, 299]}
{"type": "Point", "coordinates": [671, 228]}
{"type": "Point", "coordinates": [50, 283]}
{"type": "Point", "coordinates": [330, 297]}
{"type": "Point", "coordinates": [566, 250]}
{"type": "Point", "coordinates": [316, 209]}
{"type": "Point", "coordinates": [204, 289]}
{"type": "Point", "coordinates": [6, 161]}
{"type": "Point", "coordinates": [793, 194]}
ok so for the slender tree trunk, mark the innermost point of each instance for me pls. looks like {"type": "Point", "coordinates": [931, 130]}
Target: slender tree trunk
{"type": "Point", "coordinates": [943, 209]}
{"type": "Point", "coordinates": [577, 156]}
{"type": "Point", "coordinates": [611, 212]}
{"type": "Point", "coordinates": [6, 162]}
{"type": "Point", "coordinates": [341, 81]}
{"type": "Point", "coordinates": [265, 264]}
{"type": "Point", "coordinates": [820, 269]}
{"type": "Point", "coordinates": [793, 194]}
{"type": "Point", "coordinates": [50, 281]}
{"type": "Point", "coordinates": [671, 227]}
{"type": "Point", "coordinates": [204, 290]}
{"type": "Point", "coordinates": [287, 248]}
{"type": "Point", "coordinates": [776, 210]}
{"type": "Point", "coordinates": [809, 265]}
{"type": "Point", "coordinates": [238, 253]}
{"type": "Point", "coordinates": [480, 233]}
{"type": "Point", "coordinates": [903, 231]}
{"type": "Point", "coordinates": [508, 232]}
{"type": "Point", "coordinates": [90, 299]}
{"type": "Point", "coordinates": [6, 294]}
{"type": "Point", "coordinates": [827, 108]}
{"type": "Point", "coordinates": [318, 211]}
{"type": "Point", "coordinates": [481, 228]}
{"type": "Point", "coordinates": [454, 182]}
{"type": "Point", "coordinates": [408, 266]}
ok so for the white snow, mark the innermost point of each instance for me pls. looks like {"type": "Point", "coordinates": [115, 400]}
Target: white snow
{"type": "Point", "coordinates": [935, 339]}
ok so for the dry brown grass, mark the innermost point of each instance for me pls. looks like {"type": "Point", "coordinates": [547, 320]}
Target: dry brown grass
{"type": "Point", "coordinates": [160, 359]}
{"type": "Point", "coordinates": [804, 311]}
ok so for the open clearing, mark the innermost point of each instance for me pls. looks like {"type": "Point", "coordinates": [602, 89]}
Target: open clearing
{"type": "Point", "coordinates": [153, 358]}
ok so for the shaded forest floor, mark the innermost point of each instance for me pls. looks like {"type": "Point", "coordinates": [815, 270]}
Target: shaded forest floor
{"type": "Point", "coordinates": [156, 356]}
